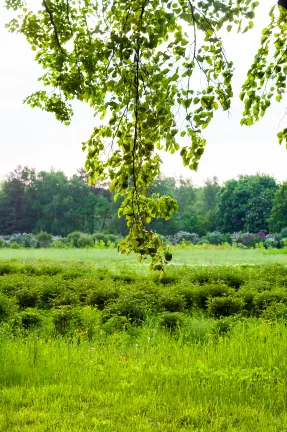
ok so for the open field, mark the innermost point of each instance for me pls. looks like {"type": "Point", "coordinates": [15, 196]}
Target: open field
{"type": "Point", "coordinates": [111, 349]}
{"type": "Point", "coordinates": [110, 257]}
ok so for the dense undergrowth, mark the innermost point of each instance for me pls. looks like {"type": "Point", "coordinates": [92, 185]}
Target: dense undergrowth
{"type": "Point", "coordinates": [68, 300]}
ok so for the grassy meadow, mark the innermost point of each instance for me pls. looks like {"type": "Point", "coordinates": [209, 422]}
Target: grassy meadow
{"type": "Point", "coordinates": [147, 382]}
{"type": "Point", "coordinates": [90, 342]}
{"type": "Point", "coordinates": [190, 256]}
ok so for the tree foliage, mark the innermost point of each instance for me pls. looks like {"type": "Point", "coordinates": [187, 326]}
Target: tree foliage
{"type": "Point", "coordinates": [134, 62]}
{"type": "Point", "coordinates": [278, 218]}
{"type": "Point", "coordinates": [266, 79]}
{"type": "Point", "coordinates": [51, 202]}
{"type": "Point", "coordinates": [245, 204]}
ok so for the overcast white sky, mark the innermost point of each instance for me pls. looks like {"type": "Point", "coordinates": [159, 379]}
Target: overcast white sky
{"type": "Point", "coordinates": [34, 138]}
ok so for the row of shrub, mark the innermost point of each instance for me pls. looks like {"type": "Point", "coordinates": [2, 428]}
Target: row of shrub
{"type": "Point", "coordinates": [101, 240]}
{"type": "Point", "coordinates": [28, 292]}
{"type": "Point", "coordinates": [73, 240]}
{"type": "Point", "coordinates": [242, 240]}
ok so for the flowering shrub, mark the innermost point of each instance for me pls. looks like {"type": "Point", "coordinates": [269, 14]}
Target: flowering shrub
{"type": "Point", "coordinates": [217, 238]}
{"type": "Point", "coordinates": [273, 241]}
{"type": "Point", "coordinates": [188, 237]}
{"type": "Point", "coordinates": [182, 238]}
{"type": "Point", "coordinates": [236, 238]}
{"type": "Point", "coordinates": [251, 240]}
{"type": "Point", "coordinates": [262, 235]}
{"type": "Point", "coordinates": [25, 240]}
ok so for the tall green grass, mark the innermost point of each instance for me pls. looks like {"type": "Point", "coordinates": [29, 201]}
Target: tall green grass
{"type": "Point", "coordinates": [87, 348]}
{"type": "Point", "coordinates": [150, 381]}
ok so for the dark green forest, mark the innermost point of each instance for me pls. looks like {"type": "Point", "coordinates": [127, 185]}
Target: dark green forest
{"type": "Point", "coordinates": [33, 201]}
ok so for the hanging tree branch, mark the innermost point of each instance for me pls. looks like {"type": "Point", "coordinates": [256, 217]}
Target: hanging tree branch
{"type": "Point", "coordinates": [49, 12]}
{"type": "Point", "coordinates": [134, 64]}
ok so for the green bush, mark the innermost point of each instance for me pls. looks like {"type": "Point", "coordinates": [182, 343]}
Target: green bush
{"type": "Point", "coordinates": [266, 298]}
{"type": "Point", "coordinates": [66, 319]}
{"type": "Point", "coordinates": [106, 239]}
{"type": "Point", "coordinates": [224, 325]}
{"type": "Point", "coordinates": [98, 237]}
{"type": "Point", "coordinates": [225, 306]}
{"type": "Point", "coordinates": [101, 296]}
{"type": "Point", "coordinates": [116, 324]}
{"type": "Point", "coordinates": [171, 320]}
{"type": "Point", "coordinates": [73, 238]}
{"type": "Point", "coordinates": [7, 307]}
{"type": "Point", "coordinates": [59, 244]}
{"type": "Point", "coordinates": [7, 269]}
{"type": "Point", "coordinates": [189, 294]}
{"type": "Point", "coordinates": [248, 294]}
{"type": "Point", "coordinates": [3, 243]}
{"type": "Point", "coordinates": [185, 237]}
{"type": "Point", "coordinates": [29, 318]}
{"type": "Point", "coordinates": [125, 277]}
{"type": "Point", "coordinates": [197, 328]}
{"type": "Point", "coordinates": [217, 238]}
{"type": "Point", "coordinates": [85, 241]}
{"type": "Point", "coordinates": [219, 291]}
{"type": "Point", "coordinates": [49, 294]}
{"type": "Point", "coordinates": [41, 270]}
{"type": "Point", "coordinates": [172, 302]}
{"type": "Point", "coordinates": [201, 294]}
{"type": "Point", "coordinates": [232, 278]}
{"type": "Point", "coordinates": [44, 239]}
{"type": "Point", "coordinates": [128, 306]}
{"type": "Point", "coordinates": [273, 241]}
{"type": "Point", "coordinates": [68, 298]}
{"type": "Point", "coordinates": [203, 242]}
{"type": "Point", "coordinates": [16, 245]}
{"type": "Point", "coordinates": [22, 239]}
{"type": "Point", "coordinates": [275, 311]}
{"type": "Point", "coordinates": [27, 298]}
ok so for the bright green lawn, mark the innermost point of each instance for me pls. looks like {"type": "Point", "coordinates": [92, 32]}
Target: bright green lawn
{"type": "Point", "coordinates": [110, 257]}
{"type": "Point", "coordinates": [151, 382]}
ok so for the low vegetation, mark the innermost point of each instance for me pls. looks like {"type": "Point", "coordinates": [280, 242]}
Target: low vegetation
{"type": "Point", "coordinates": [182, 238]}
{"type": "Point", "coordinates": [64, 299]}
{"type": "Point", "coordinates": [147, 380]}
{"type": "Point", "coordinates": [86, 348]}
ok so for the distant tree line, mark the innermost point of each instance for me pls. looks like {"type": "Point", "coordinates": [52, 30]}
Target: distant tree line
{"type": "Point", "coordinates": [56, 204]}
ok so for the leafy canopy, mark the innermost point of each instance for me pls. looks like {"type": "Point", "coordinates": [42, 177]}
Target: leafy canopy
{"type": "Point", "coordinates": [245, 204]}
{"type": "Point", "coordinates": [278, 218]}
{"type": "Point", "coordinates": [134, 62]}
